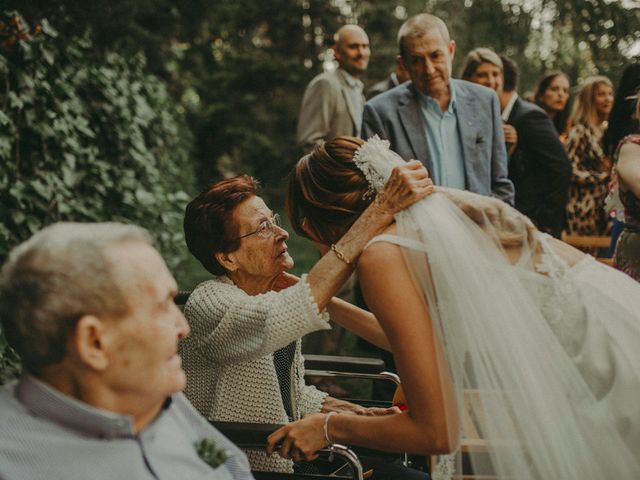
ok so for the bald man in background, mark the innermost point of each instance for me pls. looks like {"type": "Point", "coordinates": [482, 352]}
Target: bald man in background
{"type": "Point", "coordinates": [333, 101]}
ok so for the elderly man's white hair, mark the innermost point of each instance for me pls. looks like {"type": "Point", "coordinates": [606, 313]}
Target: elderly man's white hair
{"type": "Point", "coordinates": [60, 274]}
{"type": "Point", "coordinates": [419, 26]}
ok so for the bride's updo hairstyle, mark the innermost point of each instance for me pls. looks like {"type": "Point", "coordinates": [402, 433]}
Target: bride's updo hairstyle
{"type": "Point", "coordinates": [327, 191]}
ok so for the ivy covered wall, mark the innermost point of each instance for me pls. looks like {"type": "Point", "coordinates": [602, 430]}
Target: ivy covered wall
{"type": "Point", "coordinates": [108, 117]}
{"type": "Point", "coordinates": [85, 135]}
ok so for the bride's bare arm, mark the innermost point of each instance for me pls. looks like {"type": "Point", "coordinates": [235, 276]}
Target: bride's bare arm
{"type": "Point", "coordinates": [355, 319]}
{"type": "Point", "coordinates": [359, 321]}
{"type": "Point", "coordinates": [400, 308]}
{"type": "Point", "coordinates": [431, 424]}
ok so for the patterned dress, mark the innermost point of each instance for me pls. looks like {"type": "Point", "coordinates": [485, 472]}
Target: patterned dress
{"type": "Point", "coordinates": [627, 256]}
{"type": "Point", "coordinates": [590, 174]}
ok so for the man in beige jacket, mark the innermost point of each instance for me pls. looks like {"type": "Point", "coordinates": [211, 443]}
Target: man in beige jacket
{"type": "Point", "coordinates": [333, 101]}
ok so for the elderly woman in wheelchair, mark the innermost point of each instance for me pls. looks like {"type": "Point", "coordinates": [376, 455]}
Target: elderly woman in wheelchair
{"type": "Point", "coordinates": [243, 358]}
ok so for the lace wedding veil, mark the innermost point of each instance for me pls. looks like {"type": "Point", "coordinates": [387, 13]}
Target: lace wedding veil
{"type": "Point", "coordinates": [471, 257]}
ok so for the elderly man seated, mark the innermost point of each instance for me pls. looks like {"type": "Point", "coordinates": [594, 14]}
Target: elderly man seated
{"type": "Point", "coordinates": [89, 308]}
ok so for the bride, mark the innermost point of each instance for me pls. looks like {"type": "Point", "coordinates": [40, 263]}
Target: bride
{"type": "Point", "coordinates": [474, 299]}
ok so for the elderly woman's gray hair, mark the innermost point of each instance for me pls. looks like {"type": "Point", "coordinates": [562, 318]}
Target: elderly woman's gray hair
{"type": "Point", "coordinates": [53, 279]}
{"type": "Point", "coordinates": [477, 57]}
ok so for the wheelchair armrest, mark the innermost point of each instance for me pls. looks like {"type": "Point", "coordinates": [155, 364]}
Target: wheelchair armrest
{"type": "Point", "coordinates": [344, 364]}
{"type": "Point", "coordinates": [254, 436]}
{"type": "Point", "coordinates": [181, 297]}
{"type": "Point", "coordinates": [247, 435]}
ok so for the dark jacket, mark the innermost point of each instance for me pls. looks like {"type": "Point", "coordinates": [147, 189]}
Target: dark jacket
{"type": "Point", "coordinates": [539, 168]}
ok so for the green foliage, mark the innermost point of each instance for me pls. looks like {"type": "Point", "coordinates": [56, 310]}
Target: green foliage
{"type": "Point", "coordinates": [246, 76]}
{"type": "Point", "coordinates": [239, 67]}
{"type": "Point", "coordinates": [9, 362]}
{"type": "Point", "coordinates": [86, 136]}
{"type": "Point", "coordinates": [580, 37]}
{"type": "Point", "coordinates": [107, 117]}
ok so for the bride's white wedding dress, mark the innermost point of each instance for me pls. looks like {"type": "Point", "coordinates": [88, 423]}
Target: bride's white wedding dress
{"type": "Point", "coordinates": [594, 312]}
{"type": "Point", "coordinates": [552, 351]}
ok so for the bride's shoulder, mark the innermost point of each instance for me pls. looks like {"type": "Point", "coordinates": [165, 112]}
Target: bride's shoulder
{"type": "Point", "coordinates": [380, 251]}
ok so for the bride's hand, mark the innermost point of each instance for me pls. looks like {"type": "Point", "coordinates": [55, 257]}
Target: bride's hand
{"type": "Point", "coordinates": [406, 185]}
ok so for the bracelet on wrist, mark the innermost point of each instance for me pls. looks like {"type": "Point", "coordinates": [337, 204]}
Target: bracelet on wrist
{"type": "Point", "coordinates": [339, 254]}
{"type": "Point", "coordinates": [326, 428]}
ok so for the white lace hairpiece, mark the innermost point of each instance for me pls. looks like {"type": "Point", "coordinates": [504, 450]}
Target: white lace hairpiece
{"type": "Point", "coordinates": [376, 161]}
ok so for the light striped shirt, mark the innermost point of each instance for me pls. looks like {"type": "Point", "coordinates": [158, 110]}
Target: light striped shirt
{"type": "Point", "coordinates": [443, 141]}
{"type": "Point", "coordinates": [45, 434]}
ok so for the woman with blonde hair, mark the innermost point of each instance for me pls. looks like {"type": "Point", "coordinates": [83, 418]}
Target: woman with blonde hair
{"type": "Point", "coordinates": [484, 67]}
{"type": "Point", "coordinates": [472, 296]}
{"type": "Point", "coordinates": [590, 167]}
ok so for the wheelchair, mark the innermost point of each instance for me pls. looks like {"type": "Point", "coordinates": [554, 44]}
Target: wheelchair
{"type": "Point", "coordinates": [252, 436]}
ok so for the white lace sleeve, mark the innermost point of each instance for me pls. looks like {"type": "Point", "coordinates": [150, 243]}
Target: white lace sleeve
{"type": "Point", "coordinates": [227, 325]}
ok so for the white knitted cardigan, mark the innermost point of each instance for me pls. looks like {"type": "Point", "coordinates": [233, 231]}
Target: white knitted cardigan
{"type": "Point", "coordinates": [228, 356]}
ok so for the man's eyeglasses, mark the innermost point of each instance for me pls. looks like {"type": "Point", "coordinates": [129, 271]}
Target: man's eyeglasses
{"type": "Point", "coordinates": [266, 228]}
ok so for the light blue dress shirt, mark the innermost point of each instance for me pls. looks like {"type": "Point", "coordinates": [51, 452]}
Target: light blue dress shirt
{"type": "Point", "coordinates": [443, 141]}
{"type": "Point", "coordinates": [46, 435]}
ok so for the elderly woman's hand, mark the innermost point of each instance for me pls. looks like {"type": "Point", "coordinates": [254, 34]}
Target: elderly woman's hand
{"type": "Point", "coordinates": [330, 404]}
{"type": "Point", "coordinates": [300, 440]}
{"type": "Point", "coordinates": [406, 185]}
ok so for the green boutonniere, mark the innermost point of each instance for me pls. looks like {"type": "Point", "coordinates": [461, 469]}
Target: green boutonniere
{"type": "Point", "coordinates": [479, 139]}
{"type": "Point", "coordinates": [207, 451]}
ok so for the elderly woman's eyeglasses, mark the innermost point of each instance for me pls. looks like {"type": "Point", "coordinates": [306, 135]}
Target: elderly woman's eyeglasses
{"type": "Point", "coordinates": [266, 228]}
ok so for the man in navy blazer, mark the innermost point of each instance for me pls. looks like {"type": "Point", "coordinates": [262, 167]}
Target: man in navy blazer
{"type": "Point", "coordinates": [539, 167]}
{"type": "Point", "coordinates": [452, 126]}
